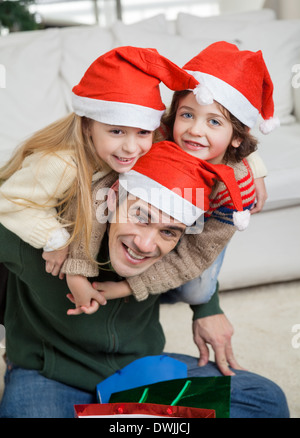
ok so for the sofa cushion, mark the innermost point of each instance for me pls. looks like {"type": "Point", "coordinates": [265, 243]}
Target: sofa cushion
{"type": "Point", "coordinates": [281, 154]}
{"type": "Point", "coordinates": [32, 96]}
{"type": "Point", "coordinates": [279, 40]}
{"type": "Point", "coordinates": [220, 27]}
{"type": "Point", "coordinates": [81, 45]}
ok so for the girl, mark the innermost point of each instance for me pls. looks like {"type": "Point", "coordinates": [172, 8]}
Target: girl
{"type": "Point", "coordinates": [117, 106]}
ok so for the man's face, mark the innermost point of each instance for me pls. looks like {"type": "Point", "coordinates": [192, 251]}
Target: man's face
{"type": "Point", "coordinates": [139, 236]}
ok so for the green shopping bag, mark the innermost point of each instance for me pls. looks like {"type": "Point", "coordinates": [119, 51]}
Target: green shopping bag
{"type": "Point", "coordinates": [195, 392]}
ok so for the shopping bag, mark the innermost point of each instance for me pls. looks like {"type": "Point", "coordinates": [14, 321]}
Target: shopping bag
{"type": "Point", "coordinates": [139, 410]}
{"type": "Point", "coordinates": [144, 371]}
{"type": "Point", "coordinates": [195, 392]}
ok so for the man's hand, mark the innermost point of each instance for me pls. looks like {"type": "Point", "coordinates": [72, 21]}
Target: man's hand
{"type": "Point", "coordinates": [217, 331]}
{"type": "Point", "coordinates": [54, 261]}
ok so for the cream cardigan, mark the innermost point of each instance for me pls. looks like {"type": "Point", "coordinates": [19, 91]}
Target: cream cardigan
{"type": "Point", "coordinates": [42, 180]}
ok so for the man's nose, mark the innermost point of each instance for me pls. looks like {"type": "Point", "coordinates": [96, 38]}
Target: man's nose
{"type": "Point", "coordinates": [145, 242]}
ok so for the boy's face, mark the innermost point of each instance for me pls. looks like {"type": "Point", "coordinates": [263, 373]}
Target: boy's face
{"type": "Point", "coordinates": [203, 130]}
{"type": "Point", "coordinates": [119, 146]}
{"type": "Point", "coordinates": [140, 235]}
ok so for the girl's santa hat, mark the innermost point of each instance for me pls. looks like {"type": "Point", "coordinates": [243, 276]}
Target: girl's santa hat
{"type": "Point", "coordinates": [183, 185]}
{"type": "Point", "coordinates": [238, 80]}
{"type": "Point", "coordinates": [121, 87]}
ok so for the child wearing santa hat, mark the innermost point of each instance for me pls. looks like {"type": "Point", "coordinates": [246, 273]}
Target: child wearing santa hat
{"type": "Point", "coordinates": [212, 122]}
{"type": "Point", "coordinates": [117, 106]}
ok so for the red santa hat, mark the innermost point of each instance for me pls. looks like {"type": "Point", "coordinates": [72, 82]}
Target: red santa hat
{"type": "Point", "coordinates": [180, 184]}
{"type": "Point", "coordinates": [237, 79]}
{"type": "Point", "coordinates": [121, 87]}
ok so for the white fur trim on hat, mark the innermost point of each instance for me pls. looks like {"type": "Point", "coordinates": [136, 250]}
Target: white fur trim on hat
{"type": "Point", "coordinates": [160, 197]}
{"type": "Point", "coordinates": [234, 101]}
{"type": "Point", "coordinates": [117, 113]}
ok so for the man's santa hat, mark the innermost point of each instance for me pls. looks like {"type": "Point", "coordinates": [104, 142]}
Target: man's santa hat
{"type": "Point", "coordinates": [237, 79]}
{"type": "Point", "coordinates": [180, 184]}
{"type": "Point", "coordinates": [121, 87]}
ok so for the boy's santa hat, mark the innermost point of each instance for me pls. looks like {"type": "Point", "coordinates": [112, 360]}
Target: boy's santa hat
{"type": "Point", "coordinates": [183, 184]}
{"type": "Point", "coordinates": [237, 79]}
{"type": "Point", "coordinates": [121, 87]}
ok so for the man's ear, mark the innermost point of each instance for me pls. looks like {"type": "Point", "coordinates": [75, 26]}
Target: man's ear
{"type": "Point", "coordinates": [112, 196]}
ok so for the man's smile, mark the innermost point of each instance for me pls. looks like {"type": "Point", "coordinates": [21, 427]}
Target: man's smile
{"type": "Point", "coordinates": [133, 256]}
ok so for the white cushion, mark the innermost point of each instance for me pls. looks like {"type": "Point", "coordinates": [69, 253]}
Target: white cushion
{"type": "Point", "coordinates": [220, 27]}
{"type": "Point", "coordinates": [81, 45]}
{"type": "Point", "coordinates": [32, 97]}
{"type": "Point", "coordinates": [281, 154]}
{"type": "Point", "coordinates": [279, 40]}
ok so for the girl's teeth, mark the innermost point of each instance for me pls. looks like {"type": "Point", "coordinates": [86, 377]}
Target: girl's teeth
{"type": "Point", "coordinates": [124, 159]}
{"type": "Point", "coordinates": [134, 255]}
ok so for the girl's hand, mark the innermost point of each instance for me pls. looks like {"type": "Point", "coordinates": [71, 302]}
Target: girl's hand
{"type": "Point", "coordinates": [54, 261]}
{"type": "Point", "coordinates": [261, 195]}
{"type": "Point", "coordinates": [83, 295]}
{"type": "Point", "coordinates": [113, 289]}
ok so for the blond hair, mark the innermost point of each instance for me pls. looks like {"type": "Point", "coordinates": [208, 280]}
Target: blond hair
{"type": "Point", "coordinates": [71, 134]}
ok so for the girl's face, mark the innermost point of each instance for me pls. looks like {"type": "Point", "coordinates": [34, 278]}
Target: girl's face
{"type": "Point", "coordinates": [119, 146]}
{"type": "Point", "coordinates": [203, 130]}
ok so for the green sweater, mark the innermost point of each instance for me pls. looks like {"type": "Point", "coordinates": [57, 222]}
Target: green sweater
{"type": "Point", "coordinates": [81, 350]}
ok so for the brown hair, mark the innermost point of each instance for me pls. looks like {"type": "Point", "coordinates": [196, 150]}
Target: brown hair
{"type": "Point", "coordinates": [241, 131]}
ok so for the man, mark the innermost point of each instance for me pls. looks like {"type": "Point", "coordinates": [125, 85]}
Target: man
{"type": "Point", "coordinates": [55, 361]}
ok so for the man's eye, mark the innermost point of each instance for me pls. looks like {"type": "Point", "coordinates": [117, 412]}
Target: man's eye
{"type": "Point", "coordinates": [169, 233]}
{"type": "Point", "coordinates": [137, 216]}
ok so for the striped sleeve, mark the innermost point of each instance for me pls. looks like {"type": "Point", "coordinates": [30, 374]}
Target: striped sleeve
{"type": "Point", "coordinates": [221, 206]}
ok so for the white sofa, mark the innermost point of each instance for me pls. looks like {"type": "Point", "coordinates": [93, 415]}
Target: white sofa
{"type": "Point", "coordinates": [38, 70]}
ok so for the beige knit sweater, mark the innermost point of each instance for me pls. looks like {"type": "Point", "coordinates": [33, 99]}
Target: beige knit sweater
{"type": "Point", "coordinates": [42, 179]}
{"type": "Point", "coordinates": [194, 253]}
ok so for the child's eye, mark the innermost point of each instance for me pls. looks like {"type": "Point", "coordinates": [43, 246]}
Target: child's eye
{"type": "Point", "coordinates": [187, 115]}
{"type": "Point", "coordinates": [116, 131]}
{"type": "Point", "coordinates": [144, 132]}
{"type": "Point", "coordinates": [214, 122]}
